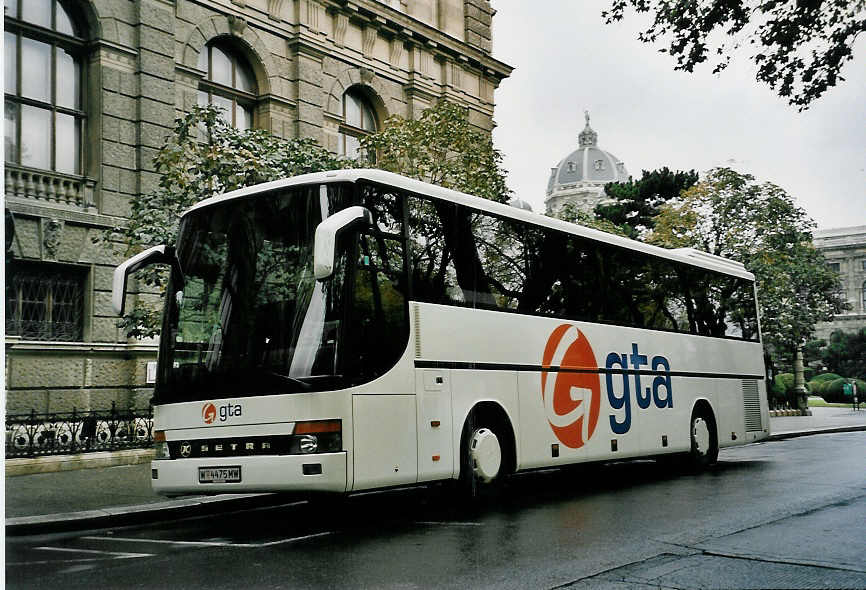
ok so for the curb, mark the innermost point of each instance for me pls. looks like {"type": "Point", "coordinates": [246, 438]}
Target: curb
{"type": "Point", "coordinates": [57, 463]}
{"type": "Point", "coordinates": [787, 413]}
{"type": "Point", "coordinates": [143, 513]}
{"type": "Point", "coordinates": [799, 433]}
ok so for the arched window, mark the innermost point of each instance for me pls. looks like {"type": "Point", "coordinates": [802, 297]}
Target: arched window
{"type": "Point", "coordinates": [359, 119]}
{"type": "Point", "coordinates": [229, 83]}
{"type": "Point", "coordinates": [44, 114]}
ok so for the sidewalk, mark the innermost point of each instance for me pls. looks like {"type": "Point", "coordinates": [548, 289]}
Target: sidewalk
{"type": "Point", "coordinates": [821, 420]}
{"type": "Point", "coordinates": [112, 496]}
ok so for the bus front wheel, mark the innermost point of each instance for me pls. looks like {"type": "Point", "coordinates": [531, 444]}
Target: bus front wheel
{"type": "Point", "coordinates": [705, 445]}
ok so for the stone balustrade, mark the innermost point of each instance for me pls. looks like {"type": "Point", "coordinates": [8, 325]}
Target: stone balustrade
{"type": "Point", "coordinates": [50, 187]}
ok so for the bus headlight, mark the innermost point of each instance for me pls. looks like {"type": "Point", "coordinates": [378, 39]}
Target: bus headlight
{"type": "Point", "coordinates": [317, 436]}
{"type": "Point", "coordinates": [160, 446]}
{"type": "Point", "coordinates": [309, 443]}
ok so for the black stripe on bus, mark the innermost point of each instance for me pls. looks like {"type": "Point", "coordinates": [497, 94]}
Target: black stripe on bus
{"type": "Point", "coordinates": [422, 364]}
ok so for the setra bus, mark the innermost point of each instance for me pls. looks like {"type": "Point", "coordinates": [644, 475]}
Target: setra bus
{"type": "Point", "coordinates": [355, 329]}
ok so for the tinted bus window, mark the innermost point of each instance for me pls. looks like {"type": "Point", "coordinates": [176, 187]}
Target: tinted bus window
{"type": "Point", "coordinates": [461, 256]}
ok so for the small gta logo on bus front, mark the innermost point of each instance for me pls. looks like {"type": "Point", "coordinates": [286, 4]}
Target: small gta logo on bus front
{"type": "Point", "coordinates": [226, 411]}
{"type": "Point", "coordinates": [208, 413]}
{"type": "Point", "coordinates": [573, 402]}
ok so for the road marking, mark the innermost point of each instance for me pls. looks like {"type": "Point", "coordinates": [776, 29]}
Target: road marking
{"type": "Point", "coordinates": [164, 541]}
{"type": "Point", "coordinates": [785, 561]}
{"type": "Point", "coordinates": [293, 539]}
{"type": "Point", "coordinates": [56, 561]}
{"type": "Point", "coordinates": [112, 554]}
{"type": "Point", "coordinates": [446, 523]}
{"type": "Point", "coordinates": [211, 543]}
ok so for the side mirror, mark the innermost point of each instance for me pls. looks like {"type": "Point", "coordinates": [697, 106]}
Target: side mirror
{"type": "Point", "coordinates": [155, 255]}
{"type": "Point", "coordinates": [326, 237]}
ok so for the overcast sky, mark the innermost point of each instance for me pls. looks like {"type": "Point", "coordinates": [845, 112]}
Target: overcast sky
{"type": "Point", "coordinates": [567, 60]}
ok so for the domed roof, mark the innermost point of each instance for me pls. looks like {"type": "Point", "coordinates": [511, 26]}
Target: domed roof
{"type": "Point", "coordinates": [588, 164]}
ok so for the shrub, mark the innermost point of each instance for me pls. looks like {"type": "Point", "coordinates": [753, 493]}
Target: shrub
{"type": "Point", "coordinates": [831, 391]}
{"type": "Point", "coordinates": [776, 396]}
{"type": "Point", "coordinates": [785, 381]}
{"type": "Point", "coordinates": [819, 382]}
{"type": "Point", "coordinates": [816, 387]}
{"type": "Point", "coordinates": [826, 377]}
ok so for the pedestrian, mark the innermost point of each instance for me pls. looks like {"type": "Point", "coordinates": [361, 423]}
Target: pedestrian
{"type": "Point", "coordinates": [856, 399]}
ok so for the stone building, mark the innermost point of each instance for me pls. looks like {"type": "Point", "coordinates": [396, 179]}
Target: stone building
{"type": "Point", "coordinates": [844, 249]}
{"type": "Point", "coordinates": [580, 177]}
{"type": "Point", "coordinates": [92, 90]}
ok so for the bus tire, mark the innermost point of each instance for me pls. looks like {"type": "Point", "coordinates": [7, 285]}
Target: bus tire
{"type": "Point", "coordinates": [704, 439]}
{"type": "Point", "coordinates": [483, 458]}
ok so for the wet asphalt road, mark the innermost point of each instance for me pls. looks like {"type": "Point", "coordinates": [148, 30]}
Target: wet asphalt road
{"type": "Point", "coordinates": [786, 514]}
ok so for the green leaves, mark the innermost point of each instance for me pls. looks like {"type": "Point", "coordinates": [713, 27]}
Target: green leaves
{"type": "Point", "coordinates": [729, 214]}
{"type": "Point", "coordinates": [204, 157]}
{"type": "Point", "coordinates": [801, 46]}
{"type": "Point", "coordinates": [441, 147]}
{"type": "Point", "coordinates": [637, 202]}
{"type": "Point", "coordinates": [572, 214]}
{"type": "Point", "coordinates": [845, 353]}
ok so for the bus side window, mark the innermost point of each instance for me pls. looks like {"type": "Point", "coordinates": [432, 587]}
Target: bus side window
{"type": "Point", "coordinates": [446, 261]}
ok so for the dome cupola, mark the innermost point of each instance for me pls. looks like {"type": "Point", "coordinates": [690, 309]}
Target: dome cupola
{"type": "Point", "coordinates": [580, 177]}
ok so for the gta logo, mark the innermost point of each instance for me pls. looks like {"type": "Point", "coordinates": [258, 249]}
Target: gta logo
{"type": "Point", "coordinates": [571, 398]}
{"type": "Point", "coordinates": [571, 386]}
{"type": "Point", "coordinates": [209, 412]}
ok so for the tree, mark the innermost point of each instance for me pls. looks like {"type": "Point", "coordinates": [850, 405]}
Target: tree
{"type": "Point", "coordinates": [801, 46]}
{"type": "Point", "coordinates": [440, 147]}
{"type": "Point", "coordinates": [636, 202]}
{"type": "Point", "coordinates": [845, 354]}
{"type": "Point", "coordinates": [443, 148]}
{"type": "Point", "coordinates": [572, 214]}
{"type": "Point", "coordinates": [729, 214]}
{"type": "Point", "coordinates": [205, 156]}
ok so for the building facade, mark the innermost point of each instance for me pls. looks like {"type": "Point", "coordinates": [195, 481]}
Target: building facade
{"type": "Point", "coordinates": [844, 249]}
{"type": "Point", "coordinates": [92, 90]}
{"type": "Point", "coordinates": [579, 178]}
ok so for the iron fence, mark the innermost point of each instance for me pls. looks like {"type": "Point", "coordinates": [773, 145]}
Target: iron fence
{"type": "Point", "coordinates": [61, 433]}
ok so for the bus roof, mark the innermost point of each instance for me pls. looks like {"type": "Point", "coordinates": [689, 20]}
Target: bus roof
{"type": "Point", "coordinates": [686, 255]}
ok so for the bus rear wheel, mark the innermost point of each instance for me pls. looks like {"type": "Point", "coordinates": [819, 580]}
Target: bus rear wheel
{"type": "Point", "coordinates": [705, 444]}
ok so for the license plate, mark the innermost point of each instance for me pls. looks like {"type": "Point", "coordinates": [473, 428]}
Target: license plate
{"type": "Point", "coordinates": [219, 474]}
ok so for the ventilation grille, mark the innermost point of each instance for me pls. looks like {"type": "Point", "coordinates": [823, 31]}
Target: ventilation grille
{"type": "Point", "coordinates": [752, 405]}
{"type": "Point", "coordinates": [417, 313]}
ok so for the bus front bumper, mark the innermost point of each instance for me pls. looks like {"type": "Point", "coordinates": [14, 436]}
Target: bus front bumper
{"type": "Point", "coordinates": [280, 473]}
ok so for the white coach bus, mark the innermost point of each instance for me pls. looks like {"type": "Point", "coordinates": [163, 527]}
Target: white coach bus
{"type": "Point", "coordinates": [356, 329]}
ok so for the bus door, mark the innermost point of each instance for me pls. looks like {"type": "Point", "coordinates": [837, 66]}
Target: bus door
{"type": "Point", "coordinates": [384, 440]}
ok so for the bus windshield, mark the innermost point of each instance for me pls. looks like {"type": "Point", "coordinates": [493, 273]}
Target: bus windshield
{"type": "Point", "coordinates": [248, 317]}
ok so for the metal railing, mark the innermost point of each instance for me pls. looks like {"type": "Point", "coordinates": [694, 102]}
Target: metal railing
{"type": "Point", "coordinates": [62, 433]}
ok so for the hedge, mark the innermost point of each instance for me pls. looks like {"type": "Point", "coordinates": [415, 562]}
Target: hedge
{"type": "Point", "coordinates": [831, 391]}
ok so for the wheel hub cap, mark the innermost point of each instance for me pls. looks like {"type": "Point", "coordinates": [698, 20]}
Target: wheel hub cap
{"type": "Point", "coordinates": [485, 453]}
{"type": "Point", "coordinates": [701, 434]}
